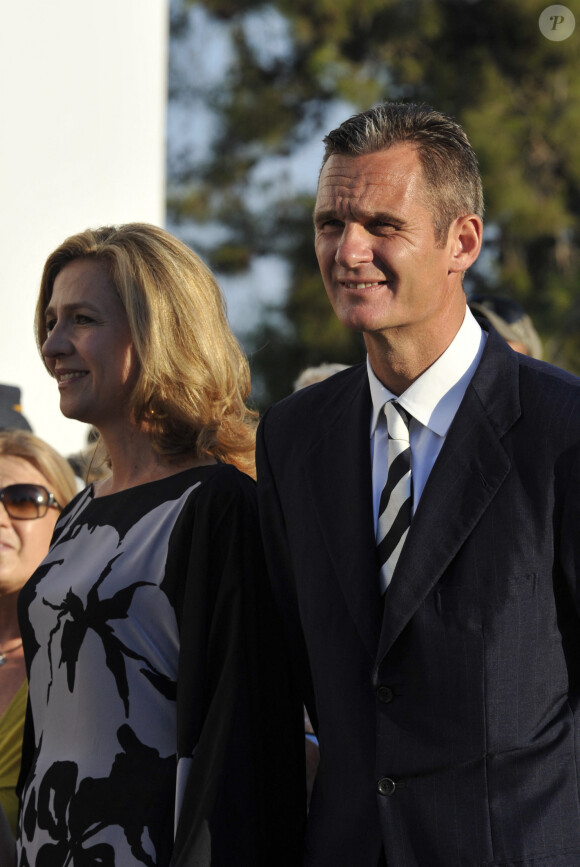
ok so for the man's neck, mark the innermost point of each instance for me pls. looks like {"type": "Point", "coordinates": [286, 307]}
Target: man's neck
{"type": "Point", "coordinates": [399, 356]}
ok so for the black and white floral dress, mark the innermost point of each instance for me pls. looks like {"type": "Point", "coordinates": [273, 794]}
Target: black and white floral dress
{"type": "Point", "coordinates": [151, 650]}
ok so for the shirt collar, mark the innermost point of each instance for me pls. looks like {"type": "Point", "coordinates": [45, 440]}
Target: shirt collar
{"type": "Point", "coordinates": [434, 398]}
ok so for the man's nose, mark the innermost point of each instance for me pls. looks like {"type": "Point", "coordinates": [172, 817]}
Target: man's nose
{"type": "Point", "coordinates": [354, 247]}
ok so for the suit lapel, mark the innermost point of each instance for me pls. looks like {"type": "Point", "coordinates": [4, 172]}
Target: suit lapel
{"type": "Point", "coordinates": [339, 475]}
{"type": "Point", "coordinates": [470, 468]}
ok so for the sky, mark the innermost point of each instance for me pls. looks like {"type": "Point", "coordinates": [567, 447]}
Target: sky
{"type": "Point", "coordinates": [87, 131]}
{"type": "Point", "coordinates": [83, 107]}
{"type": "Point", "coordinates": [199, 60]}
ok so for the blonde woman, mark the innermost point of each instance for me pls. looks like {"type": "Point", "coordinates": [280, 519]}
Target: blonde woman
{"type": "Point", "coordinates": [162, 723]}
{"type": "Point", "coordinates": [35, 484]}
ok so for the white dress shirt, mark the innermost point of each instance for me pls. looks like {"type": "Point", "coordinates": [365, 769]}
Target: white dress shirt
{"type": "Point", "coordinates": [432, 400]}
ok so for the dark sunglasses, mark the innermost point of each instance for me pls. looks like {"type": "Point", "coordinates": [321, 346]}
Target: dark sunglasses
{"type": "Point", "coordinates": [27, 502]}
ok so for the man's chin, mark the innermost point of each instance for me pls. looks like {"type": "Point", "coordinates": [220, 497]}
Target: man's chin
{"type": "Point", "coordinates": [365, 324]}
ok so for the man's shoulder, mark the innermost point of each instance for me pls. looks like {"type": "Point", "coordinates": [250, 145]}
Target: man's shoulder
{"type": "Point", "coordinates": [541, 382]}
{"type": "Point", "coordinates": [503, 369]}
{"type": "Point", "coordinates": [540, 395]}
{"type": "Point", "coordinates": [332, 390]}
{"type": "Point", "coordinates": [550, 401]}
{"type": "Point", "coordinates": [315, 406]}
{"type": "Point", "coordinates": [548, 374]}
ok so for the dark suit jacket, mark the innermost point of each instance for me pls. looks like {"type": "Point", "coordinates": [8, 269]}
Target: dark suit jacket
{"type": "Point", "coordinates": [448, 712]}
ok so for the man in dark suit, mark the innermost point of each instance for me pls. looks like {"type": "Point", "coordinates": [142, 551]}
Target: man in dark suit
{"type": "Point", "coordinates": [437, 646]}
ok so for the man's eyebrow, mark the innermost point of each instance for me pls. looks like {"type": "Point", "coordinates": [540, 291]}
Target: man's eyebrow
{"type": "Point", "coordinates": [323, 214]}
{"type": "Point", "coordinates": [387, 217]}
{"type": "Point", "coordinates": [384, 216]}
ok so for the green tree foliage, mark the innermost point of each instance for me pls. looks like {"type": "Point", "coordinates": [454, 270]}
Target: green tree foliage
{"type": "Point", "coordinates": [292, 62]}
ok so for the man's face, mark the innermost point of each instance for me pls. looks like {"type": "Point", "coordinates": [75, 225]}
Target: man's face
{"type": "Point", "coordinates": [375, 243]}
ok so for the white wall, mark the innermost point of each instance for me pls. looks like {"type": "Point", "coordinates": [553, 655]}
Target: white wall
{"type": "Point", "coordinates": [82, 143]}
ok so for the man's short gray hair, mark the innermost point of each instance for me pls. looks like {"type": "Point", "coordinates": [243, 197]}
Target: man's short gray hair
{"type": "Point", "coordinates": [448, 160]}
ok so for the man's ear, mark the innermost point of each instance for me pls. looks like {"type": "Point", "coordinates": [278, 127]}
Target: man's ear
{"type": "Point", "coordinates": [464, 242]}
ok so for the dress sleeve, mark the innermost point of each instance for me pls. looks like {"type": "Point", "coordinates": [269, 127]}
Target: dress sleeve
{"type": "Point", "coordinates": [239, 724]}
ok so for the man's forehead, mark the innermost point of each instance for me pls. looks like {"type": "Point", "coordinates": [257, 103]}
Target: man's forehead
{"type": "Point", "coordinates": [393, 171]}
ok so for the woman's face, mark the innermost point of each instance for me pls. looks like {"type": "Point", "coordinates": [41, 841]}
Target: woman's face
{"type": "Point", "coordinates": [89, 349]}
{"type": "Point", "coordinates": [23, 544]}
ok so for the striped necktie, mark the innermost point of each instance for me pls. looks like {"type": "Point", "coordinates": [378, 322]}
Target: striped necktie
{"type": "Point", "coordinates": [396, 503]}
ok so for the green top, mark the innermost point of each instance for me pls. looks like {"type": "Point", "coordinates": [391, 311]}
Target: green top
{"type": "Point", "coordinates": [11, 728]}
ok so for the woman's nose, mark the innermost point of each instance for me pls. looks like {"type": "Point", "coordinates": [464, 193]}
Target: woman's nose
{"type": "Point", "coordinates": [56, 343]}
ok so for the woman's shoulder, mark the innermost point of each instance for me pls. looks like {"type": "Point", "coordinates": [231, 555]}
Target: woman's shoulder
{"type": "Point", "coordinates": [225, 485]}
{"type": "Point", "coordinates": [227, 477]}
{"type": "Point", "coordinates": [211, 483]}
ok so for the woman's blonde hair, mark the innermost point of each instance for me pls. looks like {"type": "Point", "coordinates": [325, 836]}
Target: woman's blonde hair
{"type": "Point", "coordinates": [55, 469]}
{"type": "Point", "coordinates": [194, 379]}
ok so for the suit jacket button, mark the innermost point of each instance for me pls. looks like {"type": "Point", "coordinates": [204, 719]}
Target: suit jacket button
{"type": "Point", "coordinates": [384, 694]}
{"type": "Point", "coordinates": [386, 786]}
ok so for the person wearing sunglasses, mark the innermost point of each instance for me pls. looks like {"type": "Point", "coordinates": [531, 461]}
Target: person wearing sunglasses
{"type": "Point", "coordinates": [35, 484]}
{"type": "Point", "coordinates": [163, 730]}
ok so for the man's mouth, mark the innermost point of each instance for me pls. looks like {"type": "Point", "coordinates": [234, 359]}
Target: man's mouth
{"type": "Point", "coordinates": [362, 285]}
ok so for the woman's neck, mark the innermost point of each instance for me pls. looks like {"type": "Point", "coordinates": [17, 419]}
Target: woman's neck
{"type": "Point", "coordinates": [134, 462]}
{"type": "Point", "coordinates": [9, 632]}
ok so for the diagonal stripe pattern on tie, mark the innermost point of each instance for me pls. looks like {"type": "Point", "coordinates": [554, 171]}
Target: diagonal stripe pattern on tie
{"type": "Point", "coordinates": [396, 503]}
